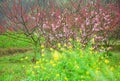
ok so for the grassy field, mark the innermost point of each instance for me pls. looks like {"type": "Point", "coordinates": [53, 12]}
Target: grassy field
{"type": "Point", "coordinates": [10, 45]}
{"type": "Point", "coordinates": [12, 67]}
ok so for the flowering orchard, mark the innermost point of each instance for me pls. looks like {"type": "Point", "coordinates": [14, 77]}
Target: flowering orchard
{"type": "Point", "coordinates": [55, 24]}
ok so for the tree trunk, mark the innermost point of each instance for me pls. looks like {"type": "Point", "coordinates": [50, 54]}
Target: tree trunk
{"type": "Point", "coordinates": [36, 51]}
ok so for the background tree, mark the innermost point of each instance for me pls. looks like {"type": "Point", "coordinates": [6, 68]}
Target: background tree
{"type": "Point", "coordinates": [22, 18]}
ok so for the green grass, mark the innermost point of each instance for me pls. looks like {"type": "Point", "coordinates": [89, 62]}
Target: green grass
{"type": "Point", "coordinates": [115, 58]}
{"type": "Point", "coordinates": [12, 67]}
{"type": "Point", "coordinates": [115, 62]}
{"type": "Point", "coordinates": [8, 42]}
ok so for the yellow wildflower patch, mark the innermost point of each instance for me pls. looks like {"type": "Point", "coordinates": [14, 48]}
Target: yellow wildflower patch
{"type": "Point", "coordinates": [56, 55]}
{"type": "Point", "coordinates": [52, 63]}
{"type": "Point", "coordinates": [51, 49]}
{"type": "Point", "coordinates": [26, 57]}
{"type": "Point", "coordinates": [43, 55]}
{"type": "Point", "coordinates": [65, 45]}
{"type": "Point", "coordinates": [57, 75]}
{"type": "Point", "coordinates": [42, 46]}
{"type": "Point", "coordinates": [70, 39]}
{"type": "Point", "coordinates": [70, 47]}
{"type": "Point", "coordinates": [59, 45]}
{"type": "Point", "coordinates": [106, 61]}
{"type": "Point", "coordinates": [36, 66]}
{"type": "Point", "coordinates": [111, 68]}
{"type": "Point", "coordinates": [87, 73]}
{"type": "Point", "coordinates": [66, 79]}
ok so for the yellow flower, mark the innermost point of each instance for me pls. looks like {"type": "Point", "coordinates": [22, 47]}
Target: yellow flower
{"type": "Point", "coordinates": [106, 61]}
{"type": "Point", "coordinates": [57, 75]}
{"type": "Point", "coordinates": [93, 41]}
{"type": "Point", "coordinates": [87, 73]}
{"type": "Point", "coordinates": [65, 45]}
{"type": "Point", "coordinates": [94, 65]}
{"type": "Point", "coordinates": [56, 55]}
{"type": "Point", "coordinates": [52, 63]}
{"type": "Point", "coordinates": [82, 76]}
{"type": "Point", "coordinates": [91, 48]}
{"type": "Point", "coordinates": [70, 47]}
{"type": "Point", "coordinates": [91, 52]}
{"type": "Point", "coordinates": [98, 69]}
{"type": "Point", "coordinates": [36, 66]}
{"type": "Point", "coordinates": [70, 39]}
{"type": "Point", "coordinates": [78, 40]}
{"type": "Point", "coordinates": [51, 49]}
{"type": "Point", "coordinates": [26, 57]}
{"type": "Point", "coordinates": [39, 61]}
{"type": "Point", "coordinates": [59, 45]}
{"type": "Point", "coordinates": [77, 67]}
{"type": "Point", "coordinates": [43, 68]}
{"type": "Point", "coordinates": [33, 72]}
{"type": "Point", "coordinates": [81, 56]}
{"type": "Point", "coordinates": [43, 55]}
{"type": "Point", "coordinates": [96, 72]}
{"type": "Point", "coordinates": [42, 50]}
{"type": "Point", "coordinates": [112, 68]}
{"type": "Point", "coordinates": [42, 46]}
{"type": "Point", "coordinates": [66, 79]}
